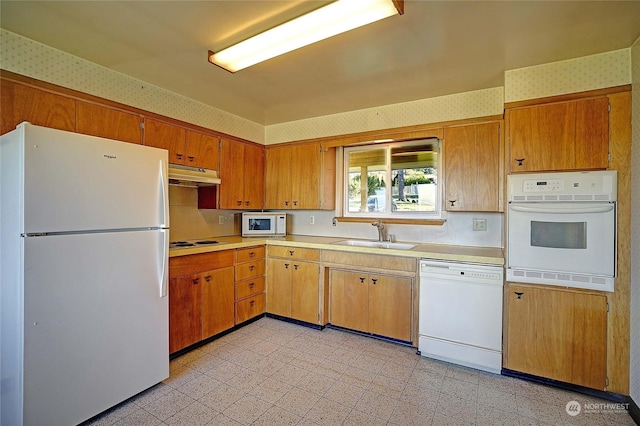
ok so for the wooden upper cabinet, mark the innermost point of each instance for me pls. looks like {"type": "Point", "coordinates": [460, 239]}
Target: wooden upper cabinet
{"type": "Point", "coordinates": [242, 175]}
{"type": "Point", "coordinates": [300, 177]}
{"type": "Point", "coordinates": [23, 103]}
{"type": "Point", "coordinates": [167, 136]}
{"type": "Point", "coordinates": [472, 167]}
{"type": "Point", "coordinates": [570, 135]}
{"type": "Point", "coordinates": [202, 150]}
{"type": "Point", "coordinates": [97, 120]}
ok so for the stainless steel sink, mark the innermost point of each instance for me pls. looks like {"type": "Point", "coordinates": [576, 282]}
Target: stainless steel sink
{"type": "Point", "coordinates": [376, 244]}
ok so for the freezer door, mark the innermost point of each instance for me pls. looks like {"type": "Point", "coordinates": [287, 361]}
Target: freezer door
{"type": "Point", "coordinates": [74, 182]}
{"type": "Point", "coordinates": [95, 326]}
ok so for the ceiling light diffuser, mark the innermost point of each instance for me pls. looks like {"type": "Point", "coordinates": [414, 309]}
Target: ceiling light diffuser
{"type": "Point", "coordinates": [332, 19]}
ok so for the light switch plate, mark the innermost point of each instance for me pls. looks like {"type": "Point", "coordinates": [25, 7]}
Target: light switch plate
{"type": "Point", "coordinates": [479, 224]}
{"type": "Point", "coordinates": [220, 220]}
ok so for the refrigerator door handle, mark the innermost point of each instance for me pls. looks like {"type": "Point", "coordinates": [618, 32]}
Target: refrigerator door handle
{"type": "Point", "coordinates": [164, 206]}
{"type": "Point", "coordinates": [164, 254]}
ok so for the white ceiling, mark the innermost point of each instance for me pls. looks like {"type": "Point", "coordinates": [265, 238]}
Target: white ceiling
{"type": "Point", "coordinates": [436, 48]}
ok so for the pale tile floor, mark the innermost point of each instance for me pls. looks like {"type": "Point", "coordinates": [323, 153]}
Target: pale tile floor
{"type": "Point", "coordinates": [276, 373]}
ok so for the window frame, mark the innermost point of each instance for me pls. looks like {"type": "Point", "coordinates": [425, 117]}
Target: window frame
{"type": "Point", "coordinates": [389, 215]}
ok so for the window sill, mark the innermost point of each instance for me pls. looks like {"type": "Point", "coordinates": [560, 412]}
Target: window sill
{"type": "Point", "coordinates": [391, 220]}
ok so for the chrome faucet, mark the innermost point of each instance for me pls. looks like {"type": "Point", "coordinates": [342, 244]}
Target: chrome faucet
{"type": "Point", "coordinates": [380, 227]}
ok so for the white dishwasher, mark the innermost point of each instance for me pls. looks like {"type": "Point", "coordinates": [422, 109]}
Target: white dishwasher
{"type": "Point", "coordinates": [461, 313]}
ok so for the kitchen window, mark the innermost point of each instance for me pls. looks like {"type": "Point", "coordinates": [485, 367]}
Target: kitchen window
{"type": "Point", "coordinates": [396, 179]}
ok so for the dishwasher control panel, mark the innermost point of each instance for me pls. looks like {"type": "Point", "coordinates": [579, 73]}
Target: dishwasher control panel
{"type": "Point", "coordinates": [484, 272]}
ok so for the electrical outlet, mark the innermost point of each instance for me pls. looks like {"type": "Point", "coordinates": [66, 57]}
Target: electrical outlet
{"type": "Point", "coordinates": [312, 220]}
{"type": "Point", "coordinates": [479, 224]}
{"type": "Point", "coordinates": [221, 220]}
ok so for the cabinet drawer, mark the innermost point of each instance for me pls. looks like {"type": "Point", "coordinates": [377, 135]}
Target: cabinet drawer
{"type": "Point", "coordinates": [250, 307]}
{"type": "Point", "coordinates": [249, 287]}
{"type": "Point", "coordinates": [195, 263]}
{"type": "Point", "coordinates": [295, 253]}
{"type": "Point", "coordinates": [249, 253]}
{"type": "Point", "coordinates": [249, 269]}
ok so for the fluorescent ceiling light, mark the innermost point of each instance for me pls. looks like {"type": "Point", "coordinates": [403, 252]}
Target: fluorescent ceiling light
{"type": "Point", "coordinates": [332, 19]}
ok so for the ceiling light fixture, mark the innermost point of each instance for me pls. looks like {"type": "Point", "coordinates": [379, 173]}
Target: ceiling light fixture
{"type": "Point", "coordinates": [332, 19]}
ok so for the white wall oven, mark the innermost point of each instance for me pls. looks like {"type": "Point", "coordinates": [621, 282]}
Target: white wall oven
{"type": "Point", "coordinates": [562, 229]}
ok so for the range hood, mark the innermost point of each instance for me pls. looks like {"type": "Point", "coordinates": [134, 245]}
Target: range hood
{"type": "Point", "coordinates": [192, 177]}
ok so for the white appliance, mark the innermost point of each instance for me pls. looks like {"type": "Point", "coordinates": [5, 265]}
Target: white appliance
{"type": "Point", "coordinates": [562, 229]}
{"type": "Point", "coordinates": [266, 224]}
{"type": "Point", "coordinates": [461, 313]}
{"type": "Point", "coordinates": [84, 304]}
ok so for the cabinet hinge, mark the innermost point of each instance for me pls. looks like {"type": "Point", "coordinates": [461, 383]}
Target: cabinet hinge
{"type": "Point", "coordinates": [142, 125]}
{"type": "Point", "coordinates": [606, 381]}
{"type": "Point", "coordinates": [607, 307]}
{"type": "Point", "coordinates": [609, 107]}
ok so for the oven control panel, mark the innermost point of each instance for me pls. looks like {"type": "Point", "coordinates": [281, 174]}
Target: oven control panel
{"type": "Point", "coordinates": [543, 185]}
{"type": "Point", "coordinates": [600, 185]}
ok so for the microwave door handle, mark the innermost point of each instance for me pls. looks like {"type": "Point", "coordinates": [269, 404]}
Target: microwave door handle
{"type": "Point", "coordinates": [570, 210]}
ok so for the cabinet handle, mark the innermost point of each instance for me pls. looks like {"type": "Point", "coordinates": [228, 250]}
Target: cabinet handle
{"type": "Point", "coordinates": [286, 203]}
{"type": "Point", "coordinates": [519, 160]}
{"type": "Point", "coordinates": [518, 294]}
{"type": "Point", "coordinates": [207, 278]}
{"type": "Point", "coordinates": [179, 156]}
{"type": "Point", "coordinates": [452, 202]}
{"type": "Point", "coordinates": [295, 267]}
{"type": "Point", "coordinates": [286, 266]}
{"type": "Point", "coordinates": [295, 202]}
{"type": "Point", "coordinates": [253, 302]}
{"type": "Point", "coordinates": [251, 254]}
{"type": "Point", "coordinates": [362, 280]}
{"type": "Point", "coordinates": [290, 252]}
{"type": "Point", "coordinates": [374, 281]}
{"type": "Point", "coordinates": [191, 158]}
{"type": "Point", "coordinates": [247, 202]}
{"type": "Point", "coordinates": [252, 267]}
{"type": "Point", "coordinates": [239, 202]}
{"type": "Point", "coordinates": [196, 281]}
{"type": "Point", "coordinates": [251, 285]}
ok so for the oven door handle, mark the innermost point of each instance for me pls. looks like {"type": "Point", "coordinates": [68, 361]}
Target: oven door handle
{"type": "Point", "coordinates": [572, 210]}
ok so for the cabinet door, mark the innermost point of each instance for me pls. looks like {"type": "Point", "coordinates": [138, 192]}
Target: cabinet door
{"type": "Point", "coordinates": [542, 137]}
{"type": "Point", "coordinates": [218, 299]}
{"type": "Point", "coordinates": [279, 286]}
{"type": "Point", "coordinates": [567, 334]}
{"type": "Point", "coordinates": [253, 177]}
{"type": "Point", "coordinates": [278, 179]}
{"type": "Point", "coordinates": [304, 291]}
{"type": "Point", "coordinates": [231, 190]}
{"type": "Point", "coordinates": [97, 120]}
{"type": "Point", "coordinates": [592, 134]}
{"type": "Point", "coordinates": [305, 176]}
{"type": "Point", "coordinates": [184, 311]}
{"type": "Point", "coordinates": [165, 136]}
{"type": "Point", "coordinates": [202, 151]}
{"type": "Point", "coordinates": [22, 103]}
{"type": "Point", "coordinates": [471, 156]}
{"type": "Point", "coordinates": [390, 306]}
{"type": "Point", "coordinates": [348, 299]}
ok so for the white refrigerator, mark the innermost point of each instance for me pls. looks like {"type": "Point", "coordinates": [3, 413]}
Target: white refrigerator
{"type": "Point", "coordinates": [84, 261]}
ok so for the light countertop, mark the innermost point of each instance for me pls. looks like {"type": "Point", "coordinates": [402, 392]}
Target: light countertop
{"type": "Point", "coordinates": [490, 255]}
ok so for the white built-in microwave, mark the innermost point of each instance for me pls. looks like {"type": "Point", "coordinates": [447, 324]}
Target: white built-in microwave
{"type": "Point", "coordinates": [265, 224]}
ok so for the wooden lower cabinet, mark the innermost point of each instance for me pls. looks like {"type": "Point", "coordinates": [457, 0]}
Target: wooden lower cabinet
{"type": "Point", "coordinates": [557, 334]}
{"type": "Point", "coordinates": [201, 297]}
{"type": "Point", "coordinates": [293, 283]}
{"type": "Point", "coordinates": [372, 303]}
{"type": "Point", "coordinates": [184, 312]}
{"type": "Point", "coordinates": [250, 299]}
{"type": "Point", "coordinates": [218, 298]}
